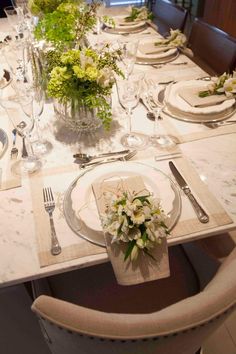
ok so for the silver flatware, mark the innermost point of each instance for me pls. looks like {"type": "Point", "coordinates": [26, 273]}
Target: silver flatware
{"type": "Point", "coordinates": [173, 155]}
{"type": "Point", "coordinates": [201, 214]}
{"type": "Point", "coordinates": [158, 66]}
{"type": "Point", "coordinates": [114, 159]}
{"type": "Point", "coordinates": [14, 150]}
{"type": "Point", "coordinates": [20, 127]}
{"type": "Point", "coordinates": [214, 125]}
{"type": "Point", "coordinates": [81, 157]}
{"type": "Point", "coordinates": [49, 205]}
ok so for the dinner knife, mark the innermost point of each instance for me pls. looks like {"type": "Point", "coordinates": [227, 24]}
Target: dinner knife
{"type": "Point", "coordinates": [201, 214]}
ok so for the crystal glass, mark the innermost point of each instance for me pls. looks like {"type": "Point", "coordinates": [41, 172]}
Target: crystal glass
{"type": "Point", "coordinates": [128, 56]}
{"type": "Point", "coordinates": [158, 139]}
{"type": "Point", "coordinates": [12, 102]}
{"type": "Point", "coordinates": [129, 94]}
{"type": "Point", "coordinates": [14, 54]}
{"type": "Point", "coordinates": [15, 18]}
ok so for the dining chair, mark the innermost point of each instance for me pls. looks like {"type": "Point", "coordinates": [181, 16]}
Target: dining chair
{"type": "Point", "coordinates": [168, 15]}
{"type": "Point", "coordinates": [163, 317]}
{"type": "Point", "coordinates": [214, 50]}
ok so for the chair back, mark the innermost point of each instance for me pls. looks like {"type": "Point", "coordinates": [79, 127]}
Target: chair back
{"type": "Point", "coordinates": [169, 16]}
{"type": "Point", "coordinates": [214, 50]}
{"type": "Point", "coordinates": [180, 328]}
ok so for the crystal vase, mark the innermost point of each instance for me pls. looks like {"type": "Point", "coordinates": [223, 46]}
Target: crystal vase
{"type": "Point", "coordinates": [78, 117]}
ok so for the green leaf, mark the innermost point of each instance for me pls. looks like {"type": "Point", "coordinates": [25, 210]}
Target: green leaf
{"type": "Point", "coordinates": [130, 247]}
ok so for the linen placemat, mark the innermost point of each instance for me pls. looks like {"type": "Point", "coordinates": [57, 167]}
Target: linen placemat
{"type": "Point", "coordinates": [144, 268]}
{"type": "Point", "coordinates": [74, 246]}
{"type": "Point", "coordinates": [186, 132]}
{"type": "Point", "coordinates": [8, 179]}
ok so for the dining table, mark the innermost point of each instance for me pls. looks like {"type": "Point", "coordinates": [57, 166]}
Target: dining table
{"type": "Point", "coordinates": [204, 154]}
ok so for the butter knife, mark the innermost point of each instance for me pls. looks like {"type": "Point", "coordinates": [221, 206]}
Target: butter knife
{"type": "Point", "coordinates": [201, 214]}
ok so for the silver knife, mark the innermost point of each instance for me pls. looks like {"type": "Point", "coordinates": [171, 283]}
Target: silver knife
{"type": "Point", "coordinates": [201, 214]}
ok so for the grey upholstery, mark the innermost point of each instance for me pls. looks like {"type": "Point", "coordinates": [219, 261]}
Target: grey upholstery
{"type": "Point", "coordinates": [214, 50]}
{"type": "Point", "coordinates": [168, 16]}
{"type": "Point", "coordinates": [179, 328]}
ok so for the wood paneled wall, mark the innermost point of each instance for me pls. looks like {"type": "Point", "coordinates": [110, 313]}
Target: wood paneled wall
{"type": "Point", "coordinates": [222, 14]}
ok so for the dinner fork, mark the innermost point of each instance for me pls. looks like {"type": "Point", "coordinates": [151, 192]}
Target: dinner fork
{"type": "Point", "coordinates": [49, 205]}
{"type": "Point", "coordinates": [14, 150]}
{"type": "Point", "coordinates": [122, 158]}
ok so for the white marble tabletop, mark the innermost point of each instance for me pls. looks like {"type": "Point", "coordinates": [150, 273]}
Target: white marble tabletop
{"type": "Point", "coordinates": [214, 158]}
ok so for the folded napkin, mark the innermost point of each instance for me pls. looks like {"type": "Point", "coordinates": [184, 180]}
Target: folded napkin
{"type": "Point", "coordinates": [191, 96]}
{"type": "Point", "coordinates": [144, 268]}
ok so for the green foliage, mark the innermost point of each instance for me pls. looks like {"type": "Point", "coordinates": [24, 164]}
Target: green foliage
{"type": "Point", "coordinates": [139, 13]}
{"type": "Point", "coordinates": [67, 24]}
{"type": "Point", "coordinates": [38, 7]}
{"type": "Point", "coordinates": [85, 76]}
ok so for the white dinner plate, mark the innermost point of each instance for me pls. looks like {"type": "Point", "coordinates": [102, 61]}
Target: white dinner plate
{"type": "Point", "coordinates": [80, 208]}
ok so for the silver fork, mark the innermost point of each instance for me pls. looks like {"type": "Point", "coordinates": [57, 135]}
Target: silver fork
{"type": "Point", "coordinates": [49, 205]}
{"type": "Point", "coordinates": [14, 150]}
{"type": "Point", "coordinates": [122, 158]}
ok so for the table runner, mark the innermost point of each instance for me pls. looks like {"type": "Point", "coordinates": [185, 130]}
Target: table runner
{"type": "Point", "coordinates": [73, 246]}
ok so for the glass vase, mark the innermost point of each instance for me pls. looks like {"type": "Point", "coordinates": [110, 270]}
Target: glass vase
{"type": "Point", "coordinates": [77, 116]}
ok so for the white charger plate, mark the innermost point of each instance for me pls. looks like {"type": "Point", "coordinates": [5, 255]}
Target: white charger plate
{"type": "Point", "coordinates": [80, 208]}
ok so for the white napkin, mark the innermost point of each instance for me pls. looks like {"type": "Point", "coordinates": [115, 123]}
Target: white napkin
{"type": "Point", "coordinates": [148, 50]}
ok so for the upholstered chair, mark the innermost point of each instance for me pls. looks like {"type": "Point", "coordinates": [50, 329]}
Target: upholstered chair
{"type": "Point", "coordinates": [163, 317]}
{"type": "Point", "coordinates": [214, 50]}
{"type": "Point", "coordinates": [168, 15]}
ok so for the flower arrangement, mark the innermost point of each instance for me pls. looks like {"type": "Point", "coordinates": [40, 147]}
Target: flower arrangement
{"type": "Point", "coordinates": [224, 84]}
{"type": "Point", "coordinates": [85, 76]}
{"type": "Point", "coordinates": [39, 7]}
{"type": "Point", "coordinates": [175, 39]}
{"type": "Point", "coordinates": [75, 19]}
{"type": "Point", "coordinates": [139, 14]}
{"type": "Point", "coordinates": [136, 220]}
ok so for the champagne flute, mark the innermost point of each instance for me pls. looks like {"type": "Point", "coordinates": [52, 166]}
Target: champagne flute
{"type": "Point", "coordinates": [129, 94]}
{"type": "Point", "coordinates": [12, 102]}
{"type": "Point", "coordinates": [128, 56]}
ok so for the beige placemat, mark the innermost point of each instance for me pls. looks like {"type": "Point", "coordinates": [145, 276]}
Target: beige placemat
{"type": "Point", "coordinates": [188, 222]}
{"type": "Point", "coordinates": [144, 268]}
{"type": "Point", "coordinates": [8, 179]}
{"type": "Point", "coordinates": [185, 137]}
{"type": "Point", "coordinates": [74, 246]}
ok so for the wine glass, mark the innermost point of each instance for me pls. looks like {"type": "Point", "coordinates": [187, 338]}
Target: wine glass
{"type": "Point", "coordinates": [128, 56]}
{"type": "Point", "coordinates": [162, 141]}
{"type": "Point", "coordinates": [14, 54]}
{"type": "Point", "coordinates": [129, 94]}
{"type": "Point", "coordinates": [12, 102]}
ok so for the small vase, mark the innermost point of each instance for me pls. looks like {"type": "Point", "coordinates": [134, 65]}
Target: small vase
{"type": "Point", "coordinates": [78, 117]}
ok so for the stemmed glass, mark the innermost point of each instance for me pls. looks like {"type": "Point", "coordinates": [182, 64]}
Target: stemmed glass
{"type": "Point", "coordinates": [12, 102]}
{"type": "Point", "coordinates": [129, 94]}
{"type": "Point", "coordinates": [128, 56]}
{"type": "Point", "coordinates": [160, 140]}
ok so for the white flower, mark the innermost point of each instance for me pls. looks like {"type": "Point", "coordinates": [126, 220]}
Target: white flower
{"type": "Point", "coordinates": [230, 86]}
{"type": "Point", "coordinates": [106, 77]}
{"type": "Point", "coordinates": [134, 234]}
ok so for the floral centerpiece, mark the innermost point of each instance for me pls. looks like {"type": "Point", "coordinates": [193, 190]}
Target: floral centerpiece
{"type": "Point", "coordinates": [67, 24]}
{"type": "Point", "coordinates": [139, 14]}
{"type": "Point", "coordinates": [224, 84]}
{"type": "Point", "coordinates": [175, 39]}
{"type": "Point", "coordinates": [138, 221]}
{"type": "Point", "coordinates": [84, 78]}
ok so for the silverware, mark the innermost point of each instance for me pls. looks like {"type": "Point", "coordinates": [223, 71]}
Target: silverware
{"type": "Point", "coordinates": [122, 158]}
{"type": "Point", "coordinates": [49, 205]}
{"type": "Point", "coordinates": [158, 66]}
{"type": "Point", "coordinates": [173, 155]}
{"type": "Point", "coordinates": [150, 114]}
{"type": "Point", "coordinates": [201, 214]}
{"type": "Point", "coordinates": [214, 125]}
{"type": "Point", "coordinates": [87, 158]}
{"type": "Point", "coordinates": [20, 127]}
{"type": "Point", "coordinates": [14, 150]}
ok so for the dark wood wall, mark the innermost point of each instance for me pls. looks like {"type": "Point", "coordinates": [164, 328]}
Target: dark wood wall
{"type": "Point", "coordinates": [222, 14]}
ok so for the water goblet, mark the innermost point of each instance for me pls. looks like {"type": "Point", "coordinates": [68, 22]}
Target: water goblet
{"type": "Point", "coordinates": [12, 103]}
{"type": "Point", "coordinates": [129, 94]}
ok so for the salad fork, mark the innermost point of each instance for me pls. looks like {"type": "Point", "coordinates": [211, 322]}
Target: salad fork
{"type": "Point", "coordinates": [49, 205]}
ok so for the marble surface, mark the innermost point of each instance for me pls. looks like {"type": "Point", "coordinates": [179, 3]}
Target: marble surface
{"type": "Point", "coordinates": [214, 158]}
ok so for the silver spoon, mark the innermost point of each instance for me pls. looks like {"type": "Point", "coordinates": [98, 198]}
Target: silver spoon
{"type": "Point", "coordinates": [214, 125]}
{"type": "Point", "coordinates": [21, 126]}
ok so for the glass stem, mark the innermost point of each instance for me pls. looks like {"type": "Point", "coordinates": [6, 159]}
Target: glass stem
{"type": "Point", "coordinates": [129, 114]}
